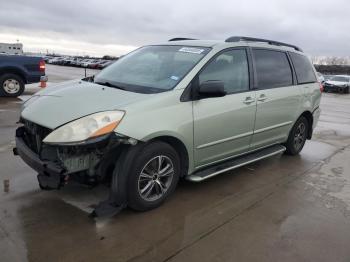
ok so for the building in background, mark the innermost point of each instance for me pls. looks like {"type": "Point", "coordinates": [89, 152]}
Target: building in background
{"type": "Point", "coordinates": [11, 49]}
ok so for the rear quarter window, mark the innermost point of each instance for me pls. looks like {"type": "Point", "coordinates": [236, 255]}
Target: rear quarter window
{"type": "Point", "coordinates": [303, 69]}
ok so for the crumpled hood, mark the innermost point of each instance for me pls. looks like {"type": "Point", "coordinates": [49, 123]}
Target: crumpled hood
{"type": "Point", "coordinates": [65, 102]}
{"type": "Point", "coordinates": [336, 83]}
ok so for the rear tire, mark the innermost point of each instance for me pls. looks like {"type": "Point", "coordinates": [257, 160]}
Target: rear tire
{"type": "Point", "coordinates": [11, 85]}
{"type": "Point", "coordinates": [297, 136]}
{"type": "Point", "coordinates": [346, 90]}
{"type": "Point", "coordinates": [151, 182]}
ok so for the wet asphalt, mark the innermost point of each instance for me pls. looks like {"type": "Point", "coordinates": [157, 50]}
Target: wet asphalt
{"type": "Point", "coordinates": [280, 209]}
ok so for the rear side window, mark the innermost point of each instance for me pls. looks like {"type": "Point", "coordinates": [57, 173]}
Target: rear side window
{"type": "Point", "coordinates": [303, 69]}
{"type": "Point", "coordinates": [272, 69]}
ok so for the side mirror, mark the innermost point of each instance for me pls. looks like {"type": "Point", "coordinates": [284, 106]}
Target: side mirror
{"type": "Point", "coordinates": [212, 88]}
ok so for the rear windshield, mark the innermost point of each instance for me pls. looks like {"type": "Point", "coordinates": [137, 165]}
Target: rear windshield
{"type": "Point", "coordinates": [152, 69]}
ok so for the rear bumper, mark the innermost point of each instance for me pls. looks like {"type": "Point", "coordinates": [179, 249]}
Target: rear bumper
{"type": "Point", "coordinates": [34, 78]}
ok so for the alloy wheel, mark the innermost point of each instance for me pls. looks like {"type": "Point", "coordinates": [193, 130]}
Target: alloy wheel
{"type": "Point", "coordinates": [299, 137]}
{"type": "Point", "coordinates": [155, 178]}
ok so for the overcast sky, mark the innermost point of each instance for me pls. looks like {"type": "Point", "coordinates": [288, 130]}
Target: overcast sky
{"type": "Point", "coordinates": [116, 27]}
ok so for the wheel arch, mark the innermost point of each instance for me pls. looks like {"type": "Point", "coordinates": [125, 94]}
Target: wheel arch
{"type": "Point", "coordinates": [15, 71]}
{"type": "Point", "coordinates": [180, 148]}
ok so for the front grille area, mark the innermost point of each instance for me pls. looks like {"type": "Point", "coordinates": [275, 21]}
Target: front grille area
{"type": "Point", "coordinates": [34, 135]}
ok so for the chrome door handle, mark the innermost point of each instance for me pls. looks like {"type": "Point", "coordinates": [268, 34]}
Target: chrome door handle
{"type": "Point", "coordinates": [262, 98]}
{"type": "Point", "coordinates": [248, 100]}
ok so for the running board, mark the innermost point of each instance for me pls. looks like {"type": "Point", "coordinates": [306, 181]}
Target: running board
{"type": "Point", "coordinates": [209, 172]}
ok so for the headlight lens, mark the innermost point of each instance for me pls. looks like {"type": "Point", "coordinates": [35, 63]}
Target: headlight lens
{"type": "Point", "coordinates": [84, 128]}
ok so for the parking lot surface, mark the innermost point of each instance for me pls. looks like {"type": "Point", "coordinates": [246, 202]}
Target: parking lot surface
{"type": "Point", "coordinates": [58, 74]}
{"type": "Point", "coordinates": [280, 209]}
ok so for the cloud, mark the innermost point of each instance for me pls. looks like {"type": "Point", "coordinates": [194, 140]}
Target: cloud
{"type": "Point", "coordinates": [96, 26]}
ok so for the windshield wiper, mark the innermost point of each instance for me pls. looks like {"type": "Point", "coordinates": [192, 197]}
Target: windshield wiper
{"type": "Point", "coordinates": [110, 85]}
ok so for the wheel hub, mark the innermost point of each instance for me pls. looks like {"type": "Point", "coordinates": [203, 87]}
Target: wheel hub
{"type": "Point", "coordinates": [11, 86]}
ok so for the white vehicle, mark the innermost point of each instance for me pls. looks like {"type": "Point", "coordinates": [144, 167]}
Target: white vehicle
{"type": "Point", "coordinates": [338, 83]}
{"type": "Point", "coordinates": [90, 62]}
{"type": "Point", "coordinates": [80, 61]}
{"type": "Point", "coordinates": [86, 62]}
{"type": "Point", "coordinates": [55, 60]}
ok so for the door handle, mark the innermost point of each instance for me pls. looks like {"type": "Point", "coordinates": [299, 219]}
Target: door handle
{"type": "Point", "coordinates": [262, 98]}
{"type": "Point", "coordinates": [248, 100]}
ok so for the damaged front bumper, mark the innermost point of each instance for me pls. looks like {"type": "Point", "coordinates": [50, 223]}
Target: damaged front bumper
{"type": "Point", "coordinates": [103, 159]}
{"type": "Point", "coordinates": [86, 163]}
{"type": "Point", "coordinates": [51, 176]}
{"type": "Point", "coordinates": [33, 160]}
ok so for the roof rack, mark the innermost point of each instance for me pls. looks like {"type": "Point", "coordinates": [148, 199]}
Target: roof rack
{"type": "Point", "coordinates": [252, 39]}
{"type": "Point", "coordinates": [180, 39]}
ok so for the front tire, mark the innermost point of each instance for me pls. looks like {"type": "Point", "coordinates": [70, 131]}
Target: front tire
{"type": "Point", "coordinates": [297, 137]}
{"type": "Point", "coordinates": [11, 85]}
{"type": "Point", "coordinates": [154, 176]}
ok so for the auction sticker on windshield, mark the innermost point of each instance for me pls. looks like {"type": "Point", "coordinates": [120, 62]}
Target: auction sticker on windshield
{"type": "Point", "coordinates": [192, 50]}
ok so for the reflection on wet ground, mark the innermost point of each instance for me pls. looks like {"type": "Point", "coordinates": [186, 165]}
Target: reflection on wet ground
{"type": "Point", "coordinates": [280, 209]}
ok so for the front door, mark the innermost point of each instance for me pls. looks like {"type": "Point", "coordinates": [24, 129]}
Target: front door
{"type": "Point", "coordinates": [223, 126]}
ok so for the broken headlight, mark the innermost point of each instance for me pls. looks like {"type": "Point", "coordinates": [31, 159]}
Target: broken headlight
{"type": "Point", "coordinates": [90, 126]}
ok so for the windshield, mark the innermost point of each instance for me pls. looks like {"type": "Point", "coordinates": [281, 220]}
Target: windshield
{"type": "Point", "coordinates": [340, 79]}
{"type": "Point", "coordinates": [152, 69]}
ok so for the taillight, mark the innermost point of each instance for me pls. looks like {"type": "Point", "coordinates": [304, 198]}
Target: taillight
{"type": "Point", "coordinates": [321, 87]}
{"type": "Point", "coordinates": [42, 66]}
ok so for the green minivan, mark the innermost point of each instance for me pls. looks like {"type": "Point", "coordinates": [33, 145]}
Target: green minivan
{"type": "Point", "coordinates": [186, 108]}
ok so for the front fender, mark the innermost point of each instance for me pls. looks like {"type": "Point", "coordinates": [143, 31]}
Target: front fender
{"type": "Point", "coordinates": [187, 142]}
{"type": "Point", "coordinates": [162, 116]}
